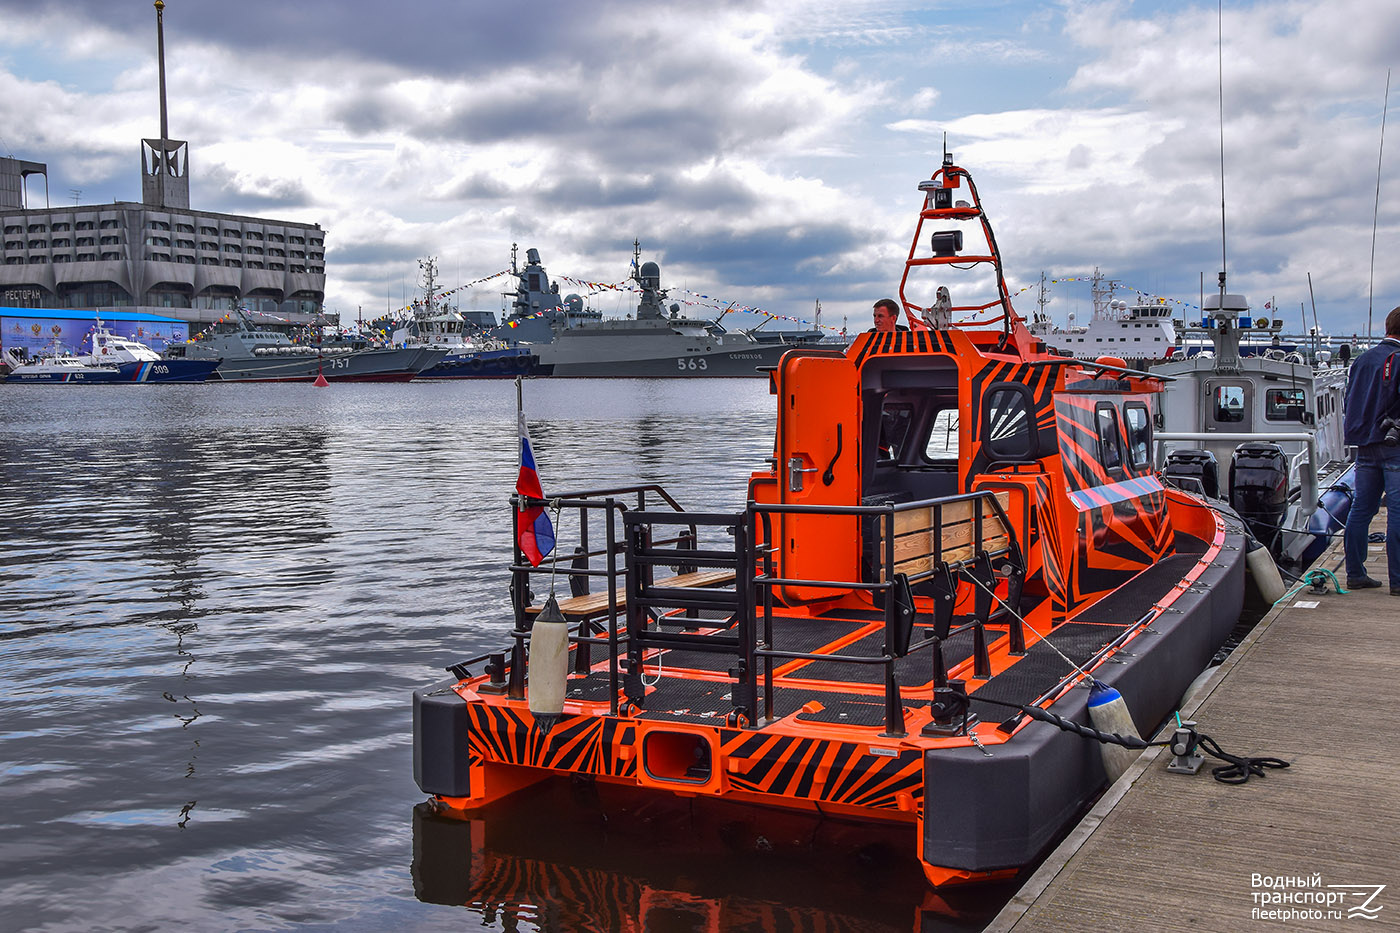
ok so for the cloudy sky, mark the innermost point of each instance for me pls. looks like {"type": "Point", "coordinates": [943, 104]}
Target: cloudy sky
{"type": "Point", "coordinates": [764, 152]}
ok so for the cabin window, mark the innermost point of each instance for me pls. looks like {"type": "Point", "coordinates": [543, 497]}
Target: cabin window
{"type": "Point", "coordinates": [1284, 404]}
{"type": "Point", "coordinates": [1229, 404]}
{"type": "Point", "coordinates": [1007, 427]}
{"type": "Point", "coordinates": [1139, 434]}
{"type": "Point", "coordinates": [1110, 447]}
{"type": "Point", "coordinates": [943, 436]}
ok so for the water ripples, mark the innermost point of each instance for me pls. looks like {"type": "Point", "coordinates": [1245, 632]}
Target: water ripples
{"type": "Point", "coordinates": [215, 602]}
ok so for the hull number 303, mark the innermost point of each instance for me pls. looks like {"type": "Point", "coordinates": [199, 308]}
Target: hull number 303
{"type": "Point", "coordinates": [692, 363]}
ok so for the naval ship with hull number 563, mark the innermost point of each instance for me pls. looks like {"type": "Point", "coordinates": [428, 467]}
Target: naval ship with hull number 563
{"type": "Point", "coordinates": [656, 342]}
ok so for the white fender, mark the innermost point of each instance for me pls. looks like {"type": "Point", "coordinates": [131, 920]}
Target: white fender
{"type": "Point", "coordinates": [1109, 713]}
{"type": "Point", "coordinates": [1260, 564]}
{"type": "Point", "coordinates": [547, 671]}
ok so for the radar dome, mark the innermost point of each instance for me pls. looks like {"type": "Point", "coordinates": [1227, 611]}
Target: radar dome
{"type": "Point", "coordinates": [650, 274]}
{"type": "Point", "coordinates": [573, 303]}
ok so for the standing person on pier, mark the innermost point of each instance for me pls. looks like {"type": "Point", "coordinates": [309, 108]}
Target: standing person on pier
{"type": "Point", "coordinates": [1372, 405]}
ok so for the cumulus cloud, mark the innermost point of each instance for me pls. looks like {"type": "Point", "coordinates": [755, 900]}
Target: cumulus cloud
{"type": "Point", "coordinates": [764, 152]}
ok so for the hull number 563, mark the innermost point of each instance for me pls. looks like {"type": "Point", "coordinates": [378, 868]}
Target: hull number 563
{"type": "Point", "coordinates": [692, 363]}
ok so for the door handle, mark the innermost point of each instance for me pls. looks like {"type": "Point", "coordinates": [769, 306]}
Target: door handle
{"type": "Point", "coordinates": [795, 471]}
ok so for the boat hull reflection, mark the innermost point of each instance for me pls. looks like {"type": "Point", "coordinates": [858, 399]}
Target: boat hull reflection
{"type": "Point", "coordinates": [578, 857]}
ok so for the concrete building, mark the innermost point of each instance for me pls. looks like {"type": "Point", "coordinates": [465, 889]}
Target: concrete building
{"type": "Point", "coordinates": [159, 255]}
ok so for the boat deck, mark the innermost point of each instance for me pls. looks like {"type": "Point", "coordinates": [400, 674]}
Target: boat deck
{"type": "Point", "coordinates": [1315, 684]}
{"type": "Point", "coordinates": [692, 685]}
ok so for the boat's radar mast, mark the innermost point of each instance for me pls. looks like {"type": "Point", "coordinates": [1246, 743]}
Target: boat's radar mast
{"type": "Point", "coordinates": [953, 216]}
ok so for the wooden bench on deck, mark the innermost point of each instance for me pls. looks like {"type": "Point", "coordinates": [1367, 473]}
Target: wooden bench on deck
{"type": "Point", "coordinates": [595, 605]}
{"type": "Point", "coordinates": [917, 536]}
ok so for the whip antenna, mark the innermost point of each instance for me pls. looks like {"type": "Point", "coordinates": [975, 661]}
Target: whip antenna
{"type": "Point", "coordinates": [1220, 85]}
{"type": "Point", "coordinates": [1370, 301]}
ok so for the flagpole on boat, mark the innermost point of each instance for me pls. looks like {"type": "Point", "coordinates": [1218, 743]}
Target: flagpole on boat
{"type": "Point", "coordinates": [547, 664]}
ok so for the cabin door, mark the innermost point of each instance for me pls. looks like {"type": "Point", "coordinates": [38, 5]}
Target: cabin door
{"type": "Point", "coordinates": [1229, 406]}
{"type": "Point", "coordinates": [818, 464]}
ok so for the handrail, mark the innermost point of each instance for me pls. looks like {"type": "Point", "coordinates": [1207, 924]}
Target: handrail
{"type": "Point", "coordinates": [521, 571]}
{"type": "Point", "coordinates": [621, 490]}
{"type": "Point", "coordinates": [631, 553]}
{"type": "Point", "coordinates": [1308, 503]}
{"type": "Point", "coordinates": [765, 580]}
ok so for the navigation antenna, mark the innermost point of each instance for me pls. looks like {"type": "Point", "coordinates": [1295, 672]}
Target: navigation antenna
{"type": "Point", "coordinates": [1044, 299]}
{"type": "Point", "coordinates": [1370, 301]}
{"type": "Point", "coordinates": [1220, 86]}
{"type": "Point", "coordinates": [428, 267]}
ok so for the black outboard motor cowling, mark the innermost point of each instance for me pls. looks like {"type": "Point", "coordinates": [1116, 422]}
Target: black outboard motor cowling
{"type": "Point", "coordinates": [1192, 466]}
{"type": "Point", "coordinates": [1259, 489]}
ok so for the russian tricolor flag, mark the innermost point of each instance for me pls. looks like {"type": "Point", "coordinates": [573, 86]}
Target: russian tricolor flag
{"type": "Point", "coordinates": [534, 530]}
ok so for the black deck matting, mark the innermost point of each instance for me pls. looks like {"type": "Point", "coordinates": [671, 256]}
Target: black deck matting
{"type": "Point", "coordinates": [1041, 668]}
{"type": "Point", "coordinates": [914, 670]}
{"type": "Point", "coordinates": [789, 634]}
{"type": "Point", "coordinates": [680, 700]}
{"type": "Point", "coordinates": [594, 687]}
{"type": "Point", "coordinates": [1185, 543]}
{"type": "Point", "coordinates": [1134, 599]}
{"type": "Point", "coordinates": [689, 700]}
{"type": "Point", "coordinates": [868, 711]}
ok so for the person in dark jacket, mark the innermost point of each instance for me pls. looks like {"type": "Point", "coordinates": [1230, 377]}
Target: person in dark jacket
{"type": "Point", "coordinates": [886, 314]}
{"type": "Point", "coordinates": [1373, 398]}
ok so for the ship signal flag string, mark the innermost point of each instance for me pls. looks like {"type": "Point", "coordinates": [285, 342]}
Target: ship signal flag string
{"type": "Point", "coordinates": [535, 532]}
{"type": "Point", "coordinates": [1065, 279]}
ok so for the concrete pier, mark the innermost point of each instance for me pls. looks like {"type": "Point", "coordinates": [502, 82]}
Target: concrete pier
{"type": "Point", "coordinates": [1317, 684]}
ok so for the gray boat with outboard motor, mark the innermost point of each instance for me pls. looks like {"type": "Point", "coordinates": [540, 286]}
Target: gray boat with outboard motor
{"type": "Point", "coordinates": [257, 351]}
{"type": "Point", "coordinates": [1262, 432]}
{"type": "Point", "coordinates": [573, 341]}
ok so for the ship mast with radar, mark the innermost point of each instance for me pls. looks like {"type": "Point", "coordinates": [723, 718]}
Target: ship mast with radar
{"type": "Point", "coordinates": [946, 246]}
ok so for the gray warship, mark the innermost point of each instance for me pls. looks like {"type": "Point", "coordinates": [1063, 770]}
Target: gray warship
{"type": "Point", "coordinates": [257, 352]}
{"type": "Point", "coordinates": [571, 340]}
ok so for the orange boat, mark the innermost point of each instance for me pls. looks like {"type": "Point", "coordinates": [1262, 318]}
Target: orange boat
{"type": "Point", "coordinates": [954, 524]}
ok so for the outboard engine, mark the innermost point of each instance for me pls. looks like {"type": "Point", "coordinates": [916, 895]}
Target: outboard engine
{"type": "Point", "coordinates": [1259, 489]}
{"type": "Point", "coordinates": [1192, 467]}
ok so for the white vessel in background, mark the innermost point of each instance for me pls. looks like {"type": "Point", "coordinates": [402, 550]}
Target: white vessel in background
{"type": "Point", "coordinates": [1262, 431]}
{"type": "Point", "coordinates": [469, 351]}
{"type": "Point", "coordinates": [1140, 334]}
{"type": "Point", "coordinates": [139, 363]}
{"type": "Point", "coordinates": [58, 368]}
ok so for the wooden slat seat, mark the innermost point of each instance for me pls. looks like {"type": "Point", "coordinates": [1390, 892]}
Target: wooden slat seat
{"type": "Point", "coordinates": [915, 531]}
{"type": "Point", "coordinates": [593, 605]}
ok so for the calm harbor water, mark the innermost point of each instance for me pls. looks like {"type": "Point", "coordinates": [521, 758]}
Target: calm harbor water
{"type": "Point", "coordinates": [215, 602]}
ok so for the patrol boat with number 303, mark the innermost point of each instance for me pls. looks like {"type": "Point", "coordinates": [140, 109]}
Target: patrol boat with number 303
{"type": "Point", "coordinates": [956, 531]}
